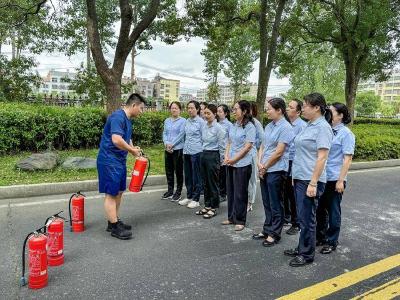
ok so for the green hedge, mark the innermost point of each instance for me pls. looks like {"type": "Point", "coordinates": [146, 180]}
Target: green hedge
{"type": "Point", "coordinates": [36, 127]}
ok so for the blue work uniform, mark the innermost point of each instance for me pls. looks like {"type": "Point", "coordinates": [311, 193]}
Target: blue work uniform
{"type": "Point", "coordinates": [238, 175]}
{"type": "Point", "coordinates": [226, 124]}
{"type": "Point", "coordinates": [279, 132]}
{"type": "Point", "coordinates": [254, 169]}
{"type": "Point", "coordinates": [316, 135]}
{"type": "Point", "coordinates": [111, 161]}
{"type": "Point", "coordinates": [329, 210]}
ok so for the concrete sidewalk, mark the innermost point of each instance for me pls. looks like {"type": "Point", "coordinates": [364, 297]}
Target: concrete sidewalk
{"type": "Point", "coordinates": [32, 190]}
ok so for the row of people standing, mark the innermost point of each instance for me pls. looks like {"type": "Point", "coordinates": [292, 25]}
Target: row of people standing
{"type": "Point", "coordinates": [289, 157]}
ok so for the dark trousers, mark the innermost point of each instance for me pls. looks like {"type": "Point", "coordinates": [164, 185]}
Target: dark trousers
{"type": "Point", "coordinates": [329, 215]}
{"type": "Point", "coordinates": [306, 207]}
{"type": "Point", "coordinates": [174, 165]}
{"type": "Point", "coordinates": [210, 166]}
{"type": "Point", "coordinates": [272, 196]}
{"type": "Point", "coordinates": [222, 181]}
{"type": "Point", "coordinates": [193, 182]}
{"type": "Point", "coordinates": [289, 201]}
{"type": "Point", "coordinates": [237, 183]}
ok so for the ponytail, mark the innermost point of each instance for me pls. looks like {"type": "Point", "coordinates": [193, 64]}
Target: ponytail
{"type": "Point", "coordinates": [279, 103]}
{"type": "Point", "coordinates": [316, 99]}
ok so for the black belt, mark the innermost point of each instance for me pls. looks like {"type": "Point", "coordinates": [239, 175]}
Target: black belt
{"type": "Point", "coordinates": [210, 151]}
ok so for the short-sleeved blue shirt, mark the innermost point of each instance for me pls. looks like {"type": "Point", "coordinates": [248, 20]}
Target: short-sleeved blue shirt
{"type": "Point", "coordinates": [343, 144]}
{"type": "Point", "coordinates": [117, 123]}
{"type": "Point", "coordinates": [298, 126]}
{"type": "Point", "coordinates": [238, 137]}
{"type": "Point", "coordinates": [172, 130]}
{"type": "Point", "coordinates": [316, 135]}
{"type": "Point", "coordinates": [275, 133]}
{"type": "Point", "coordinates": [193, 142]}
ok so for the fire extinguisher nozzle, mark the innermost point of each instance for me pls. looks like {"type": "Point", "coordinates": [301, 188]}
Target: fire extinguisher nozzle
{"type": "Point", "coordinates": [22, 281]}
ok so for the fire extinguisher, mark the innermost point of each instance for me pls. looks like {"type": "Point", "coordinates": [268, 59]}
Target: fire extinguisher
{"type": "Point", "coordinates": [54, 226]}
{"type": "Point", "coordinates": [76, 208]}
{"type": "Point", "coordinates": [37, 258]}
{"type": "Point", "coordinates": [137, 182]}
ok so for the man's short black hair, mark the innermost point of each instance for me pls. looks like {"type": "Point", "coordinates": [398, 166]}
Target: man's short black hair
{"type": "Point", "coordinates": [135, 98]}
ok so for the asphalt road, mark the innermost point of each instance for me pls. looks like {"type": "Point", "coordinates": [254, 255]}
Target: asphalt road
{"type": "Point", "coordinates": [177, 255]}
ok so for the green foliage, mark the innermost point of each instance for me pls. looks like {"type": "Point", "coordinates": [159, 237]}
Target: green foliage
{"type": "Point", "coordinates": [16, 79]}
{"type": "Point", "coordinates": [359, 120]}
{"type": "Point", "coordinates": [315, 70]}
{"type": "Point", "coordinates": [367, 103]}
{"type": "Point", "coordinates": [37, 127]}
{"type": "Point", "coordinates": [148, 128]}
{"type": "Point", "coordinates": [88, 82]}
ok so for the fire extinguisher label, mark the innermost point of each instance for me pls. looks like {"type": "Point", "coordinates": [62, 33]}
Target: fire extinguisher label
{"type": "Point", "coordinates": [54, 243]}
{"type": "Point", "coordinates": [135, 173]}
{"type": "Point", "coordinates": [59, 252]}
{"type": "Point", "coordinates": [37, 262]}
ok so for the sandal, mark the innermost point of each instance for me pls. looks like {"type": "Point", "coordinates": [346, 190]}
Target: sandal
{"type": "Point", "coordinates": [226, 222]}
{"type": "Point", "coordinates": [239, 227]}
{"type": "Point", "coordinates": [202, 211]}
{"type": "Point", "coordinates": [210, 214]}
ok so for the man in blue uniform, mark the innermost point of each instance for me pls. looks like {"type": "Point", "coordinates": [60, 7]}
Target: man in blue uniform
{"type": "Point", "coordinates": [111, 162]}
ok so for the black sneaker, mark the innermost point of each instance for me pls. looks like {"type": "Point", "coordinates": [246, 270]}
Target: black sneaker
{"type": "Point", "coordinates": [167, 195]}
{"type": "Point", "coordinates": [291, 252]}
{"type": "Point", "coordinates": [120, 232]}
{"type": "Point", "coordinates": [125, 226]}
{"type": "Point", "coordinates": [293, 230]}
{"type": "Point", "coordinates": [176, 197]}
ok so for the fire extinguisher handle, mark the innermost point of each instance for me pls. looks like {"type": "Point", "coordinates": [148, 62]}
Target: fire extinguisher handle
{"type": "Point", "coordinates": [147, 173]}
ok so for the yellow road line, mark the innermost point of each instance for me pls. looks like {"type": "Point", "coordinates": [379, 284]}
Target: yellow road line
{"type": "Point", "coordinates": [387, 291]}
{"type": "Point", "coordinates": [345, 280]}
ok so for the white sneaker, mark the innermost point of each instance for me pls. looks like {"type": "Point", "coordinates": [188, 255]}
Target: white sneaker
{"type": "Point", "coordinates": [193, 204]}
{"type": "Point", "coordinates": [185, 201]}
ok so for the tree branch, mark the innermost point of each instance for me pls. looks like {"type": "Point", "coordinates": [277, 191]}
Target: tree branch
{"type": "Point", "coordinates": [244, 20]}
{"type": "Point", "coordinates": [27, 11]}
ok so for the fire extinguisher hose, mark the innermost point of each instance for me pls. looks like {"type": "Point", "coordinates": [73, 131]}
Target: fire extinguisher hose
{"type": "Point", "coordinates": [147, 173]}
{"type": "Point", "coordinates": [23, 280]}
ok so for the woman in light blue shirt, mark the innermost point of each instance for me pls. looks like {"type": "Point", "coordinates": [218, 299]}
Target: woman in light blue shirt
{"type": "Point", "coordinates": [213, 136]}
{"type": "Point", "coordinates": [337, 167]}
{"type": "Point", "coordinates": [289, 203]}
{"type": "Point", "coordinates": [192, 148]}
{"type": "Point", "coordinates": [273, 164]}
{"type": "Point", "coordinates": [241, 138]}
{"type": "Point", "coordinates": [174, 126]}
{"type": "Point", "coordinates": [255, 151]}
{"type": "Point", "coordinates": [312, 146]}
{"type": "Point", "coordinates": [224, 119]}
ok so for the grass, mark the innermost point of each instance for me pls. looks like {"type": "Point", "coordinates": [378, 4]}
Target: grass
{"type": "Point", "coordinates": [10, 175]}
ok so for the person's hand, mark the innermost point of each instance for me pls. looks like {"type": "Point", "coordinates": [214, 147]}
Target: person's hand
{"type": "Point", "coordinates": [229, 162]}
{"type": "Point", "coordinates": [262, 171]}
{"type": "Point", "coordinates": [311, 191]}
{"type": "Point", "coordinates": [136, 151]}
{"type": "Point", "coordinates": [260, 166]}
{"type": "Point", "coordinates": [339, 186]}
{"type": "Point", "coordinates": [169, 148]}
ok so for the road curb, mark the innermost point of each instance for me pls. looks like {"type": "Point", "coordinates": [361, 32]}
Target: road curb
{"type": "Point", "coordinates": [44, 189]}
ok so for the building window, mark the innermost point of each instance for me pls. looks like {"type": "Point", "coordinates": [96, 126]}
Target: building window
{"type": "Point", "coordinates": [54, 87]}
{"type": "Point", "coordinates": [54, 79]}
{"type": "Point", "coordinates": [162, 86]}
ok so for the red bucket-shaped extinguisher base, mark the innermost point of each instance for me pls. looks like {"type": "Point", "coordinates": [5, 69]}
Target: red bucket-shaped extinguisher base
{"type": "Point", "coordinates": [77, 212]}
{"type": "Point", "coordinates": [38, 277]}
{"type": "Point", "coordinates": [55, 241]}
{"type": "Point", "coordinates": [138, 172]}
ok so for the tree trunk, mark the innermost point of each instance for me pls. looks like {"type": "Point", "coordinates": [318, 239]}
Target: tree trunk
{"type": "Point", "coordinates": [350, 88]}
{"type": "Point", "coordinates": [87, 52]}
{"type": "Point", "coordinates": [13, 46]}
{"type": "Point", "coordinates": [262, 75]}
{"type": "Point", "coordinates": [133, 77]}
{"type": "Point", "coordinates": [113, 90]}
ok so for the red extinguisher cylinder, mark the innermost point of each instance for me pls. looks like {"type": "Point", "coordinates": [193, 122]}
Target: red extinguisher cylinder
{"type": "Point", "coordinates": [55, 242]}
{"type": "Point", "coordinates": [77, 212]}
{"type": "Point", "coordinates": [38, 276]}
{"type": "Point", "coordinates": [138, 172]}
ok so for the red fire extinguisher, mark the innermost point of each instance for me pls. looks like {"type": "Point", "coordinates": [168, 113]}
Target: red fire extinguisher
{"type": "Point", "coordinates": [37, 258]}
{"type": "Point", "coordinates": [137, 182]}
{"type": "Point", "coordinates": [55, 240]}
{"type": "Point", "coordinates": [76, 208]}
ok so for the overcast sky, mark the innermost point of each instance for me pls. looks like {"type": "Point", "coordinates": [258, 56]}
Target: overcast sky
{"type": "Point", "coordinates": [183, 58]}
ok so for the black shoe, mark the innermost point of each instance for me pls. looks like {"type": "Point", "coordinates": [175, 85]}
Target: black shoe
{"type": "Point", "coordinates": [291, 252]}
{"type": "Point", "coordinates": [259, 236]}
{"type": "Point", "coordinates": [176, 197]}
{"type": "Point", "coordinates": [120, 232]}
{"type": "Point", "coordinates": [222, 199]}
{"type": "Point", "coordinates": [293, 230]}
{"type": "Point", "coordinates": [266, 243]}
{"type": "Point", "coordinates": [327, 249]}
{"type": "Point", "coordinates": [167, 195]}
{"type": "Point", "coordinates": [125, 226]}
{"type": "Point", "coordinates": [299, 261]}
